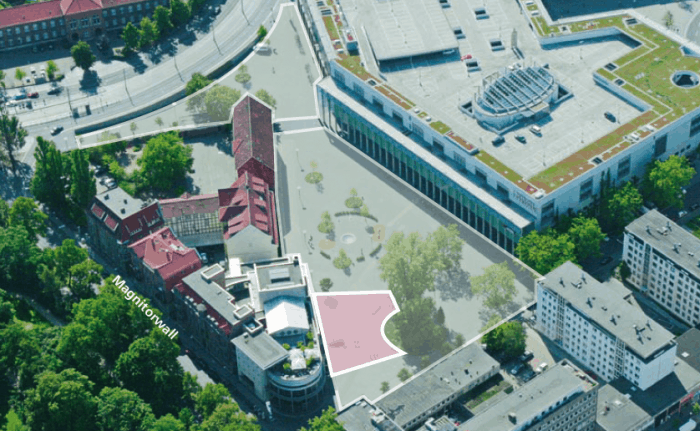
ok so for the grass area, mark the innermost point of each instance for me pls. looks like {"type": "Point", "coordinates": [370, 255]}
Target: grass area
{"type": "Point", "coordinates": [460, 141]}
{"type": "Point", "coordinates": [440, 127]}
{"type": "Point", "coordinates": [352, 64]}
{"type": "Point", "coordinates": [395, 97]}
{"type": "Point", "coordinates": [543, 28]}
{"type": "Point", "coordinates": [499, 167]}
{"type": "Point", "coordinates": [330, 28]}
{"type": "Point", "coordinates": [694, 224]}
{"type": "Point", "coordinates": [487, 390]}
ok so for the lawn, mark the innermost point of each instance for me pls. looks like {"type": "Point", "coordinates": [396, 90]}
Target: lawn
{"type": "Point", "coordinates": [440, 127]}
{"type": "Point", "coordinates": [330, 28]}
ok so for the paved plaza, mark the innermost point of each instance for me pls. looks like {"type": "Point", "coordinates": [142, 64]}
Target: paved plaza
{"type": "Point", "coordinates": [287, 72]}
{"type": "Point", "coordinates": [398, 208]}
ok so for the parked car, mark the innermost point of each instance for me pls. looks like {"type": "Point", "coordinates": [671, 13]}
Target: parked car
{"type": "Point", "coordinates": [536, 130]}
{"type": "Point", "coordinates": [100, 170]}
{"type": "Point", "coordinates": [682, 213]}
{"type": "Point", "coordinates": [528, 375]}
{"type": "Point", "coordinates": [498, 140]}
{"type": "Point", "coordinates": [33, 95]}
{"type": "Point", "coordinates": [694, 206]}
{"type": "Point", "coordinates": [543, 366]}
{"type": "Point", "coordinates": [526, 356]}
{"type": "Point", "coordinates": [55, 90]}
{"type": "Point", "coordinates": [516, 369]}
{"type": "Point", "coordinates": [205, 258]}
{"type": "Point", "coordinates": [610, 117]}
{"type": "Point", "coordinates": [21, 96]}
{"type": "Point", "coordinates": [466, 57]}
{"type": "Point", "coordinates": [520, 138]}
{"type": "Point", "coordinates": [56, 130]}
{"type": "Point", "coordinates": [111, 184]}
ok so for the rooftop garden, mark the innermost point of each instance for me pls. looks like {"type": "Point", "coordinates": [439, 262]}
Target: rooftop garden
{"type": "Point", "coordinates": [330, 28]}
{"type": "Point", "coordinates": [440, 127]}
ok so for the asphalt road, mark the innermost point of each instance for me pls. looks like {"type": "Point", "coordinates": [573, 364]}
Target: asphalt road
{"type": "Point", "coordinates": [125, 89]}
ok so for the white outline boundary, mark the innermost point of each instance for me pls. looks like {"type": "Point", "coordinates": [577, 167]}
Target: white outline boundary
{"type": "Point", "coordinates": [294, 132]}
{"type": "Point", "coordinates": [386, 319]}
{"type": "Point", "coordinates": [311, 117]}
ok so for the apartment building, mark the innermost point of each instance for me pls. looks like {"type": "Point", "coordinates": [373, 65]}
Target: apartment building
{"type": "Point", "coordinates": [562, 398]}
{"type": "Point", "coordinates": [599, 326]}
{"type": "Point", "coordinates": [664, 260]}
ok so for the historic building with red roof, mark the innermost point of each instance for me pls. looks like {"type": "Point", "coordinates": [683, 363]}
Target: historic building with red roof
{"type": "Point", "coordinates": [117, 220]}
{"type": "Point", "coordinates": [161, 261]}
{"type": "Point", "coordinates": [45, 23]}
{"type": "Point", "coordinates": [193, 219]}
{"type": "Point", "coordinates": [253, 146]}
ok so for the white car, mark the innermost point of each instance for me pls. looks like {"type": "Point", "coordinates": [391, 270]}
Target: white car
{"type": "Point", "coordinates": [542, 367]}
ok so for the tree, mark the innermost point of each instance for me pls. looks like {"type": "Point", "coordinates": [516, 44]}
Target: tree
{"type": "Point", "coordinates": [384, 387]}
{"type": "Point", "coordinates": [148, 32]}
{"type": "Point", "coordinates": [364, 211]}
{"type": "Point", "coordinates": [668, 19]}
{"type": "Point", "coordinates": [162, 17]}
{"type": "Point", "coordinates": [20, 74]}
{"type": "Point", "coordinates": [196, 83]}
{"type": "Point", "coordinates": [508, 339]}
{"type": "Point", "coordinates": [219, 100]}
{"type": "Point", "coordinates": [496, 285]}
{"type": "Point", "coordinates": [120, 409]}
{"type": "Point", "coordinates": [440, 316]}
{"type": "Point", "coordinates": [51, 69]}
{"type": "Point", "coordinates": [195, 5]}
{"type": "Point", "coordinates": [4, 214]}
{"type": "Point", "coordinates": [210, 398]}
{"type": "Point", "coordinates": [82, 276]}
{"type": "Point", "coordinates": [621, 208]}
{"type": "Point", "coordinates": [61, 402]}
{"type": "Point", "coordinates": [19, 257]}
{"type": "Point", "coordinates": [131, 37]}
{"type": "Point", "coordinates": [696, 409]}
{"type": "Point", "coordinates": [493, 320]}
{"type": "Point", "coordinates": [326, 422]}
{"type": "Point", "coordinates": [168, 423]}
{"type": "Point", "coordinates": [2, 79]}
{"type": "Point", "coordinates": [165, 161]}
{"type": "Point", "coordinates": [150, 368]}
{"type": "Point", "coordinates": [133, 125]}
{"type": "Point", "coordinates": [26, 213]}
{"type": "Point", "coordinates": [243, 77]}
{"type": "Point", "coordinates": [665, 180]}
{"type": "Point", "coordinates": [82, 55]}
{"type": "Point", "coordinates": [586, 235]}
{"type": "Point", "coordinates": [449, 245]}
{"type": "Point", "coordinates": [11, 138]}
{"type": "Point", "coordinates": [459, 340]}
{"type": "Point", "coordinates": [326, 284]}
{"type": "Point", "coordinates": [424, 362]}
{"type": "Point", "coordinates": [625, 270]}
{"type": "Point", "coordinates": [49, 182]}
{"type": "Point", "coordinates": [342, 261]}
{"type": "Point", "coordinates": [262, 32]}
{"type": "Point", "coordinates": [404, 374]}
{"type": "Point", "coordinates": [229, 417]}
{"type": "Point", "coordinates": [266, 97]}
{"type": "Point", "coordinates": [546, 251]}
{"type": "Point", "coordinates": [180, 12]}
{"type": "Point", "coordinates": [82, 187]}
{"type": "Point", "coordinates": [326, 225]}
{"type": "Point", "coordinates": [159, 121]}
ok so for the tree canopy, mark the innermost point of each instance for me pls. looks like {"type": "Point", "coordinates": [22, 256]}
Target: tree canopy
{"type": "Point", "coordinates": [82, 184]}
{"type": "Point", "coordinates": [326, 422]}
{"type": "Point", "coordinates": [26, 213]}
{"type": "Point", "coordinates": [228, 417]}
{"type": "Point", "coordinates": [180, 12]}
{"type": "Point", "coordinates": [219, 100]}
{"type": "Point", "coordinates": [211, 397]}
{"type": "Point", "coordinates": [266, 97]}
{"type": "Point", "coordinates": [496, 285]}
{"type": "Point", "coordinates": [120, 409]}
{"type": "Point", "coordinates": [148, 32]}
{"type": "Point", "coordinates": [12, 136]}
{"type": "Point", "coordinates": [621, 208]}
{"type": "Point", "coordinates": [196, 83]}
{"type": "Point", "coordinates": [82, 55]}
{"type": "Point", "coordinates": [130, 36]}
{"type": "Point", "coordinates": [586, 235]}
{"type": "Point", "coordinates": [162, 17]}
{"type": "Point", "coordinates": [508, 339]}
{"type": "Point", "coordinates": [664, 181]}
{"type": "Point", "coordinates": [545, 251]}
{"type": "Point", "coordinates": [165, 161]}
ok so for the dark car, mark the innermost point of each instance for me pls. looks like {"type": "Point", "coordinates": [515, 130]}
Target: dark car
{"type": "Point", "coordinates": [606, 260]}
{"type": "Point", "coordinates": [498, 140]}
{"type": "Point", "coordinates": [520, 138]}
{"type": "Point", "coordinates": [528, 375]}
{"type": "Point", "coordinates": [526, 356]}
{"type": "Point", "coordinates": [695, 206]}
{"type": "Point", "coordinates": [55, 90]}
{"type": "Point", "coordinates": [610, 117]}
{"type": "Point", "coordinates": [56, 130]}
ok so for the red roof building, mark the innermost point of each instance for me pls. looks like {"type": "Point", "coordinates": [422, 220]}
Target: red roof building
{"type": "Point", "coordinates": [253, 146]}
{"type": "Point", "coordinates": [162, 260]}
{"type": "Point", "coordinates": [248, 202]}
{"type": "Point", "coordinates": [193, 219]}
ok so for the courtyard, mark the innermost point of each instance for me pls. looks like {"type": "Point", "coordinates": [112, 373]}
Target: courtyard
{"type": "Point", "coordinates": [391, 207]}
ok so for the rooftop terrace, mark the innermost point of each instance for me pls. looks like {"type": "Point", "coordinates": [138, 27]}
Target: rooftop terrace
{"type": "Point", "coordinates": [627, 50]}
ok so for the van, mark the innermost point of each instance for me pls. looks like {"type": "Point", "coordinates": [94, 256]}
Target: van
{"type": "Point", "coordinates": [536, 130]}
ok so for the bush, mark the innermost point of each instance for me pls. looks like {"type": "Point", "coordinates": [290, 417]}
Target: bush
{"type": "Point", "coordinates": [353, 202]}
{"type": "Point", "coordinates": [310, 335]}
{"type": "Point", "coordinates": [314, 177]}
{"type": "Point", "coordinates": [287, 367]}
{"type": "Point", "coordinates": [286, 346]}
{"type": "Point", "coordinates": [360, 258]}
{"type": "Point", "coordinates": [310, 345]}
{"type": "Point", "coordinates": [404, 374]}
{"type": "Point", "coordinates": [376, 251]}
{"type": "Point", "coordinates": [369, 216]}
{"type": "Point", "coordinates": [326, 255]}
{"type": "Point", "coordinates": [300, 344]}
{"type": "Point", "coordinates": [325, 283]}
{"type": "Point", "coordinates": [342, 261]}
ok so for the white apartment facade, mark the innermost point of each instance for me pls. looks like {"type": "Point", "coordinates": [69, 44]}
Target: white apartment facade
{"type": "Point", "coordinates": [664, 260]}
{"type": "Point", "coordinates": [596, 325]}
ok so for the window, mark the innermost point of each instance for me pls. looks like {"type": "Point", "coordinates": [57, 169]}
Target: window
{"type": "Point", "coordinates": [53, 33]}
{"type": "Point", "coordinates": [130, 8]}
{"type": "Point", "coordinates": [95, 20]}
{"type": "Point", "coordinates": [29, 39]}
{"type": "Point", "coordinates": [35, 27]}
{"type": "Point", "coordinates": [114, 12]}
{"type": "Point", "coordinates": [46, 35]}
{"type": "Point", "coordinates": [60, 21]}
{"type": "Point", "coordinates": [26, 29]}
{"type": "Point", "coordinates": [73, 24]}
{"type": "Point", "coordinates": [43, 25]}
{"type": "Point", "coordinates": [85, 22]}
{"type": "Point", "coordinates": [586, 190]}
{"type": "Point", "coordinates": [623, 168]}
{"type": "Point", "coordinates": [114, 21]}
{"type": "Point", "coordinates": [105, 12]}
{"type": "Point", "coordinates": [138, 6]}
{"type": "Point", "coordinates": [148, 5]}
{"type": "Point", "coordinates": [695, 126]}
{"type": "Point", "coordinates": [660, 145]}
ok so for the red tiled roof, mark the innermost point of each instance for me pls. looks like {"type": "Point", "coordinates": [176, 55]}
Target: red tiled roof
{"type": "Point", "coordinates": [187, 204]}
{"type": "Point", "coordinates": [249, 201]}
{"type": "Point", "coordinates": [69, 7]}
{"type": "Point", "coordinates": [29, 13]}
{"type": "Point", "coordinates": [141, 223]}
{"type": "Point", "coordinates": [252, 131]}
{"type": "Point", "coordinates": [162, 251]}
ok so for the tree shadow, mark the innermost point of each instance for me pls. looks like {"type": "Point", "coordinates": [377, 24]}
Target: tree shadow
{"type": "Point", "coordinates": [454, 285]}
{"type": "Point", "coordinates": [90, 81]}
{"type": "Point", "coordinates": [13, 186]}
{"type": "Point", "coordinates": [319, 187]}
{"type": "Point", "coordinates": [136, 62]}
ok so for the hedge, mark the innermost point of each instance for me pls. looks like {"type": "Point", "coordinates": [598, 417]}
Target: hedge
{"type": "Point", "coordinates": [375, 251]}
{"type": "Point", "coordinates": [357, 213]}
{"type": "Point", "coordinates": [326, 255]}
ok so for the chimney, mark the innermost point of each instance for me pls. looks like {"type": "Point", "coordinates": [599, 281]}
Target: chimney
{"type": "Point", "coordinates": [106, 197]}
{"type": "Point", "coordinates": [123, 211]}
{"type": "Point", "coordinates": [583, 276]}
{"type": "Point", "coordinates": [512, 418]}
{"type": "Point", "coordinates": [668, 225]}
{"type": "Point", "coordinates": [648, 230]}
{"type": "Point", "coordinates": [125, 202]}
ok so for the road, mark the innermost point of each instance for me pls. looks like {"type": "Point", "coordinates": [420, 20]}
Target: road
{"type": "Point", "coordinates": [123, 88]}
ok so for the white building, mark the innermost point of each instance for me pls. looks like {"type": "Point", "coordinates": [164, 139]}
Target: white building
{"type": "Point", "coordinates": [599, 325]}
{"type": "Point", "coordinates": [665, 262]}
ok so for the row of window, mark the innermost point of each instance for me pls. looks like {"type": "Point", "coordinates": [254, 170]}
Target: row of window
{"type": "Point", "coordinates": [20, 41]}
{"type": "Point", "coordinates": [34, 27]}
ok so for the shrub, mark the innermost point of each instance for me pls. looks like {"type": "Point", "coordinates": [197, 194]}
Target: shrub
{"type": "Point", "coordinates": [325, 283]}
{"type": "Point", "coordinates": [342, 261]}
{"type": "Point", "coordinates": [310, 345]}
{"type": "Point", "coordinates": [286, 346]}
{"type": "Point", "coordinates": [314, 177]}
{"type": "Point", "coordinates": [376, 251]}
{"type": "Point", "coordinates": [309, 362]}
{"type": "Point", "coordinates": [300, 344]}
{"type": "Point", "coordinates": [287, 367]}
{"type": "Point", "coordinates": [326, 255]}
{"type": "Point", "coordinates": [353, 202]}
{"type": "Point", "coordinates": [404, 374]}
{"type": "Point", "coordinates": [310, 335]}
{"type": "Point", "coordinates": [360, 258]}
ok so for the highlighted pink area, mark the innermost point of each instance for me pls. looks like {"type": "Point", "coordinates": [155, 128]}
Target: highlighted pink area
{"type": "Point", "coordinates": [352, 326]}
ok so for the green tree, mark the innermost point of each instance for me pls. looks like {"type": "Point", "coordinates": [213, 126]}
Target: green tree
{"type": "Point", "coordinates": [210, 398]}
{"type": "Point", "coordinates": [219, 100]}
{"type": "Point", "coordinates": [326, 284]}
{"type": "Point", "coordinates": [82, 276]}
{"type": "Point", "coordinates": [625, 270]}
{"type": "Point", "coordinates": [496, 285]}
{"type": "Point", "coordinates": [508, 339]}
{"type": "Point", "coordinates": [384, 387]}
{"type": "Point", "coordinates": [326, 422]}
{"type": "Point", "coordinates": [159, 121]}
{"type": "Point", "coordinates": [61, 402]}
{"type": "Point", "coordinates": [162, 17]}
{"type": "Point", "coordinates": [165, 161]}
{"type": "Point", "coordinates": [668, 19]}
{"type": "Point", "coordinates": [546, 251]}
{"type": "Point", "coordinates": [440, 316]}
{"type": "Point", "coordinates": [20, 74]}
{"type": "Point", "coordinates": [82, 182]}
{"type": "Point", "coordinates": [586, 235]}
{"type": "Point", "coordinates": [696, 409]}
{"type": "Point", "coordinates": [448, 244]}
{"type": "Point", "coordinates": [493, 320]}
{"type": "Point", "coordinates": [116, 170]}
{"type": "Point", "coordinates": [133, 125]}
{"type": "Point", "coordinates": [262, 32]}
{"type": "Point", "coordinates": [12, 136]}
{"type": "Point", "coordinates": [665, 180]}
{"type": "Point", "coordinates": [27, 351]}
{"type": "Point", "coordinates": [14, 423]}
{"type": "Point", "coordinates": [150, 368]}
{"type": "Point", "coordinates": [180, 12]}
{"type": "Point", "coordinates": [621, 208]}
{"type": "Point", "coordinates": [404, 374]}
{"type": "Point", "coordinates": [168, 423]}
{"type": "Point", "coordinates": [2, 79]}
{"type": "Point", "coordinates": [266, 97]}
{"type": "Point", "coordinates": [243, 77]}
{"type": "Point", "coordinates": [131, 37]}
{"type": "Point", "coordinates": [120, 409]}
{"type": "Point", "coordinates": [49, 182]}
{"type": "Point", "coordinates": [196, 83]}
{"type": "Point", "coordinates": [342, 261]}
{"type": "Point", "coordinates": [26, 213]}
{"type": "Point", "coordinates": [51, 69]}
{"type": "Point", "coordinates": [459, 340]}
{"type": "Point", "coordinates": [195, 5]}
{"type": "Point", "coordinates": [326, 225]}
{"type": "Point", "coordinates": [229, 417]}
{"type": "Point", "coordinates": [148, 32]}
{"type": "Point", "coordinates": [82, 55]}
{"type": "Point", "coordinates": [19, 257]}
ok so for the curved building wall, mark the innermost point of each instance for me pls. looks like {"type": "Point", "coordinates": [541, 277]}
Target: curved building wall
{"type": "Point", "coordinates": [299, 393]}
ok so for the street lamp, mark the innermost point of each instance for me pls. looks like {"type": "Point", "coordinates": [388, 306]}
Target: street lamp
{"type": "Point", "coordinates": [299, 161]}
{"type": "Point", "coordinates": [302, 202]}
